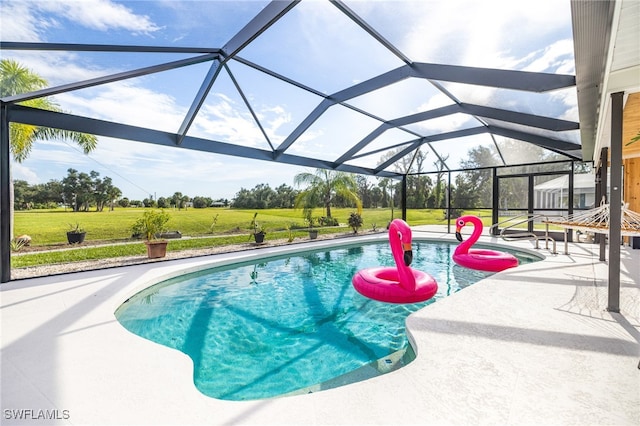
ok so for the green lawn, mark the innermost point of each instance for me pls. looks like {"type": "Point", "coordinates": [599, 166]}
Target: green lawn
{"type": "Point", "coordinates": [49, 227]}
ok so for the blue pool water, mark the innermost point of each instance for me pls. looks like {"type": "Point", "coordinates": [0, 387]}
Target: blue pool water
{"type": "Point", "coordinates": [259, 330]}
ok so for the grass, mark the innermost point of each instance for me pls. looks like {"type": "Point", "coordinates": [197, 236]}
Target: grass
{"type": "Point", "coordinates": [48, 228]}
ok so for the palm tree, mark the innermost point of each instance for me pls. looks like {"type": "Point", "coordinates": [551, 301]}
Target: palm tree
{"type": "Point", "coordinates": [16, 79]}
{"type": "Point", "coordinates": [322, 188]}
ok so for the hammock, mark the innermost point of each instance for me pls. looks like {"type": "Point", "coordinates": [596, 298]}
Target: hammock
{"type": "Point", "coordinates": [597, 221]}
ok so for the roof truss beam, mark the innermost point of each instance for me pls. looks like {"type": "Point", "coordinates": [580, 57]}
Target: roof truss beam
{"type": "Point", "coordinates": [515, 80]}
{"type": "Point", "coordinates": [268, 16]}
{"type": "Point", "coordinates": [555, 145]}
{"type": "Point", "coordinates": [524, 119]}
{"type": "Point", "coordinates": [72, 47]}
{"type": "Point", "coordinates": [399, 155]}
{"type": "Point", "coordinates": [57, 120]}
{"type": "Point", "coordinates": [503, 79]}
{"type": "Point", "coordinates": [203, 91]}
{"type": "Point", "coordinates": [110, 78]}
{"type": "Point", "coordinates": [373, 33]}
{"type": "Point", "coordinates": [471, 109]}
{"type": "Point", "coordinates": [388, 148]}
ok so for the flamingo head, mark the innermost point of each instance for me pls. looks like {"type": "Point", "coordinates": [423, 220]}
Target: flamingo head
{"type": "Point", "coordinates": [404, 235]}
{"type": "Point", "coordinates": [459, 225]}
{"type": "Point", "coordinates": [407, 254]}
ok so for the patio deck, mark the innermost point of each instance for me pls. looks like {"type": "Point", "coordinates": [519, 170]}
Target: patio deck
{"type": "Point", "coordinates": [529, 345]}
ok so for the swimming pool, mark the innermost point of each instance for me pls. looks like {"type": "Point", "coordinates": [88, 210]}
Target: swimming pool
{"type": "Point", "coordinates": [288, 324]}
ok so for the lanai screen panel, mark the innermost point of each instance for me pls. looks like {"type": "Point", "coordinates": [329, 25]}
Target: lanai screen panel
{"type": "Point", "coordinates": [330, 80]}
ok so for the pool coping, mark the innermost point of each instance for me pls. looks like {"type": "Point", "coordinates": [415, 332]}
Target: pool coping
{"type": "Point", "coordinates": [552, 356]}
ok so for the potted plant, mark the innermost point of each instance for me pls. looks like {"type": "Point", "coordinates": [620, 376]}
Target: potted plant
{"type": "Point", "coordinates": [308, 217]}
{"type": "Point", "coordinates": [75, 234]}
{"type": "Point", "coordinates": [355, 221]}
{"type": "Point", "coordinates": [150, 226]}
{"type": "Point", "coordinates": [258, 231]}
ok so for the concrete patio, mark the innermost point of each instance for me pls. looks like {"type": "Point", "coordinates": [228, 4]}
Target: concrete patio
{"type": "Point", "coordinates": [532, 345]}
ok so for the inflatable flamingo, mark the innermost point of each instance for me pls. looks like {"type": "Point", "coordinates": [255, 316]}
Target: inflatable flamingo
{"type": "Point", "coordinates": [401, 284]}
{"type": "Point", "coordinates": [483, 260]}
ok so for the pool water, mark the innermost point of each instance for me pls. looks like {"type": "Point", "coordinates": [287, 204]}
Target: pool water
{"type": "Point", "coordinates": [283, 325]}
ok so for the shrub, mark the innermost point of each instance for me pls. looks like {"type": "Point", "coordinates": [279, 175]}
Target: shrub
{"type": "Point", "coordinates": [328, 221]}
{"type": "Point", "coordinates": [150, 224]}
{"type": "Point", "coordinates": [355, 221]}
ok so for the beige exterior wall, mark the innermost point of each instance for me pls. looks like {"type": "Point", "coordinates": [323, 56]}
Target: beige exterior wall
{"type": "Point", "coordinates": [631, 153]}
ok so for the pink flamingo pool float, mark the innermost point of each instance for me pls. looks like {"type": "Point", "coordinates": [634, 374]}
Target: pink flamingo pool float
{"type": "Point", "coordinates": [401, 284]}
{"type": "Point", "coordinates": [483, 260]}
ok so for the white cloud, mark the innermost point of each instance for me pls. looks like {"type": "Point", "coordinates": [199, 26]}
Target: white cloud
{"type": "Point", "coordinates": [226, 121]}
{"type": "Point", "coordinates": [445, 124]}
{"type": "Point", "coordinates": [555, 57]}
{"type": "Point", "coordinates": [569, 100]}
{"type": "Point", "coordinates": [272, 119]}
{"type": "Point", "coordinates": [101, 15]}
{"type": "Point", "coordinates": [490, 33]}
{"type": "Point", "coordinates": [436, 101]}
{"type": "Point", "coordinates": [127, 103]}
{"type": "Point", "coordinates": [17, 22]}
{"type": "Point", "coordinates": [22, 172]}
{"type": "Point", "coordinates": [28, 20]}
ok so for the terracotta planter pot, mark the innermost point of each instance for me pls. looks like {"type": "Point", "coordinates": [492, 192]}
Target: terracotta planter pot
{"type": "Point", "coordinates": [156, 249]}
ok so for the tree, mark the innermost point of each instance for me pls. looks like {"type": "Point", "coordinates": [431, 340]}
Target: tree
{"type": "Point", "coordinates": [383, 184]}
{"type": "Point", "coordinates": [418, 186]}
{"type": "Point", "coordinates": [376, 196]}
{"type": "Point", "coordinates": [464, 194]}
{"type": "Point", "coordinates": [364, 190]}
{"type": "Point", "coordinates": [244, 199]}
{"type": "Point", "coordinates": [323, 187]}
{"type": "Point", "coordinates": [70, 187]}
{"type": "Point", "coordinates": [16, 79]}
{"type": "Point", "coordinates": [114, 194]}
{"type": "Point", "coordinates": [438, 190]}
{"type": "Point", "coordinates": [263, 195]}
{"type": "Point", "coordinates": [480, 181]}
{"type": "Point", "coordinates": [285, 197]}
{"type": "Point", "coordinates": [179, 200]}
{"type": "Point", "coordinates": [201, 202]}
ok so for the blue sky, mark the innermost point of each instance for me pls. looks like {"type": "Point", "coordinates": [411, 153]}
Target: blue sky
{"type": "Point", "coordinates": [314, 44]}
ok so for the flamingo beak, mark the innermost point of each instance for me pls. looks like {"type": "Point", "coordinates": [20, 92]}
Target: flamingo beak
{"type": "Point", "coordinates": [458, 234]}
{"type": "Point", "coordinates": [408, 253]}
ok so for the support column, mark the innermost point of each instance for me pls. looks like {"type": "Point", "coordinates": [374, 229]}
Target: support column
{"type": "Point", "coordinates": [449, 202]}
{"type": "Point", "coordinates": [571, 195]}
{"type": "Point", "coordinates": [530, 204]}
{"type": "Point", "coordinates": [604, 161]}
{"type": "Point", "coordinates": [5, 213]}
{"type": "Point", "coordinates": [495, 206]}
{"type": "Point", "coordinates": [404, 197]}
{"type": "Point", "coordinates": [615, 205]}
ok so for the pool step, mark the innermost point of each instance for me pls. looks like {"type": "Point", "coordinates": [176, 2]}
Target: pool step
{"type": "Point", "coordinates": [375, 368]}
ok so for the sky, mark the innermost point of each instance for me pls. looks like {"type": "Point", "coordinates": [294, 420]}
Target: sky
{"type": "Point", "coordinates": [314, 44]}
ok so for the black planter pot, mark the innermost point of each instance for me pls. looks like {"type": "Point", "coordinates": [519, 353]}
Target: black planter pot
{"type": "Point", "coordinates": [259, 237]}
{"type": "Point", "coordinates": [313, 234]}
{"type": "Point", "coordinates": [75, 237]}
